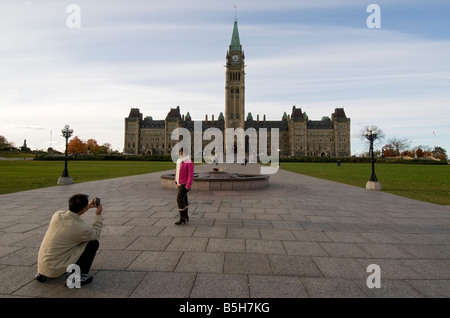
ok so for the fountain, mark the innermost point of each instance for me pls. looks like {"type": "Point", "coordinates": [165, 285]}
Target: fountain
{"type": "Point", "coordinates": [219, 180]}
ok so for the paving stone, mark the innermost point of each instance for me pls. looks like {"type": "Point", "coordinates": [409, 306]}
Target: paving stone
{"type": "Point", "coordinates": [14, 277]}
{"type": "Point", "coordinates": [340, 267]}
{"type": "Point", "coordinates": [243, 233]}
{"type": "Point", "coordinates": [332, 288]}
{"type": "Point", "coordinates": [343, 250]}
{"type": "Point", "coordinates": [265, 286]}
{"type": "Point", "coordinates": [310, 236]}
{"type": "Point", "coordinates": [245, 263]}
{"type": "Point", "coordinates": [220, 286]}
{"type": "Point", "coordinates": [390, 289]}
{"type": "Point", "coordinates": [150, 243]}
{"type": "Point", "coordinates": [304, 248]}
{"type": "Point", "coordinates": [164, 285]}
{"type": "Point", "coordinates": [201, 262]}
{"type": "Point", "coordinates": [155, 261]}
{"type": "Point", "coordinates": [187, 244]}
{"type": "Point", "coordinates": [290, 265]}
{"type": "Point", "coordinates": [114, 260]}
{"type": "Point", "coordinates": [226, 245]}
{"type": "Point", "coordinates": [264, 246]}
{"type": "Point", "coordinates": [384, 250]}
{"type": "Point", "coordinates": [210, 232]}
{"type": "Point", "coordinates": [276, 234]}
{"type": "Point", "coordinates": [110, 284]}
{"type": "Point", "coordinates": [432, 288]}
{"type": "Point", "coordinates": [345, 237]}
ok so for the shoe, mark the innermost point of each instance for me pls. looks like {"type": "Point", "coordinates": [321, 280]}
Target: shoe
{"type": "Point", "coordinates": [84, 280]}
{"type": "Point", "coordinates": [182, 218]}
{"type": "Point", "coordinates": [40, 278]}
{"type": "Point", "coordinates": [187, 215]}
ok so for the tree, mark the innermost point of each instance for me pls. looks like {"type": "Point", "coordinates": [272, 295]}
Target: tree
{"type": "Point", "coordinates": [419, 152]}
{"type": "Point", "coordinates": [399, 144]}
{"type": "Point", "coordinates": [92, 146]}
{"type": "Point", "coordinates": [4, 143]}
{"type": "Point", "coordinates": [388, 151]}
{"type": "Point", "coordinates": [440, 153]}
{"type": "Point", "coordinates": [76, 146]}
{"type": "Point", "coordinates": [106, 148]}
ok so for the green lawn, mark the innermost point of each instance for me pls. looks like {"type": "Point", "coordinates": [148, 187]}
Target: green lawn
{"type": "Point", "coordinates": [20, 175]}
{"type": "Point", "coordinates": [430, 183]}
{"type": "Point", "coordinates": [421, 182]}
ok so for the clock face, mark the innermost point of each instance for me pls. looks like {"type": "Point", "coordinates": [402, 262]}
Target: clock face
{"type": "Point", "coordinates": [235, 58]}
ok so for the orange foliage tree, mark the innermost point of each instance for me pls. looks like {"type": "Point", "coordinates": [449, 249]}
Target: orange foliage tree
{"type": "Point", "coordinates": [76, 146]}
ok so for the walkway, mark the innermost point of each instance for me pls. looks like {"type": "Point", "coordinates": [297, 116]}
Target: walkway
{"type": "Point", "coordinates": [300, 237]}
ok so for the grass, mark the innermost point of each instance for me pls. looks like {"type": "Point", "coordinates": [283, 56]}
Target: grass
{"type": "Point", "coordinates": [21, 175]}
{"type": "Point", "coordinates": [430, 183]}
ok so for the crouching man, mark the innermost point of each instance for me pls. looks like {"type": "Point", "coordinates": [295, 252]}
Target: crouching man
{"type": "Point", "coordinates": [69, 240]}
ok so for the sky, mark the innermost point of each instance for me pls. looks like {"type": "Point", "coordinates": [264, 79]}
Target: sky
{"type": "Point", "coordinates": [88, 66]}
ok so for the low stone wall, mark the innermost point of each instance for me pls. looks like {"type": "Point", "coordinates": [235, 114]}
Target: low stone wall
{"type": "Point", "coordinates": [241, 183]}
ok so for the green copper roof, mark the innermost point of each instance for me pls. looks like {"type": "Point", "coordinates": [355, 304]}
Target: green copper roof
{"type": "Point", "coordinates": [235, 42]}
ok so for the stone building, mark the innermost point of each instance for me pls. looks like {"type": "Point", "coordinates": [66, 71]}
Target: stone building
{"type": "Point", "coordinates": [298, 136]}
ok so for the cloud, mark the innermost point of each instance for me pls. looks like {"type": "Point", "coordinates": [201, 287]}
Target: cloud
{"type": "Point", "coordinates": [158, 56]}
{"type": "Point", "coordinates": [31, 127]}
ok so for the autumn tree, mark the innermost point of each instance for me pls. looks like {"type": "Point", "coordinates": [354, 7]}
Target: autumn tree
{"type": "Point", "coordinates": [440, 153]}
{"type": "Point", "coordinates": [92, 146]}
{"type": "Point", "coordinates": [4, 143]}
{"type": "Point", "coordinates": [388, 151]}
{"type": "Point", "coordinates": [419, 152]}
{"type": "Point", "coordinates": [76, 146]}
{"type": "Point", "coordinates": [399, 144]}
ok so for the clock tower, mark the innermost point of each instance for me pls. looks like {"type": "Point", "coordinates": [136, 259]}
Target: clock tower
{"type": "Point", "coordinates": [235, 83]}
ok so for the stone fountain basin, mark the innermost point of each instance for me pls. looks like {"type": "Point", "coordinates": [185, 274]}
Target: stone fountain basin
{"type": "Point", "coordinates": [220, 181]}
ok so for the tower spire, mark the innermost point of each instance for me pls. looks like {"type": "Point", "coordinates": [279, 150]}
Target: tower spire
{"type": "Point", "coordinates": [235, 41]}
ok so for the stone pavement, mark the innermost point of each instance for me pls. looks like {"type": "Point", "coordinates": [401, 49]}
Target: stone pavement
{"type": "Point", "coordinates": [300, 237]}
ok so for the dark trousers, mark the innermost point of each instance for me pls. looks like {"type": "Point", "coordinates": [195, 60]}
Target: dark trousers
{"type": "Point", "coordinates": [182, 198]}
{"type": "Point", "coordinates": [86, 259]}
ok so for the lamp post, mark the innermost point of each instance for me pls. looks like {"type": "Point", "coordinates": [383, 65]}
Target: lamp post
{"type": "Point", "coordinates": [371, 134]}
{"type": "Point", "coordinates": [65, 179]}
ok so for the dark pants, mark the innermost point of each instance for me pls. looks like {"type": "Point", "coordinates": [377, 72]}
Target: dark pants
{"type": "Point", "coordinates": [86, 259]}
{"type": "Point", "coordinates": [182, 198]}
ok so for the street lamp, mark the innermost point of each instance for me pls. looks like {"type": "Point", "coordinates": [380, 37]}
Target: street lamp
{"type": "Point", "coordinates": [65, 179]}
{"type": "Point", "coordinates": [371, 134]}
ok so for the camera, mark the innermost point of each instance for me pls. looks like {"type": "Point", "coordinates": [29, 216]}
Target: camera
{"type": "Point", "coordinates": [97, 201]}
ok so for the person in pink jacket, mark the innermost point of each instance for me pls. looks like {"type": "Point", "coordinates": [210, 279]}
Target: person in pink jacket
{"type": "Point", "coordinates": [184, 176]}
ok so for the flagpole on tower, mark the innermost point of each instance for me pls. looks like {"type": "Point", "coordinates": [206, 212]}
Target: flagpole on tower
{"type": "Point", "coordinates": [235, 13]}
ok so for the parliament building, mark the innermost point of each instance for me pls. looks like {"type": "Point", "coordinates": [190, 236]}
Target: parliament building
{"type": "Point", "coordinates": [298, 135]}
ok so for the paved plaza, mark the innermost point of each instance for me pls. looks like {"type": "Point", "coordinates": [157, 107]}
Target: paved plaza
{"type": "Point", "coordinates": [300, 237]}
